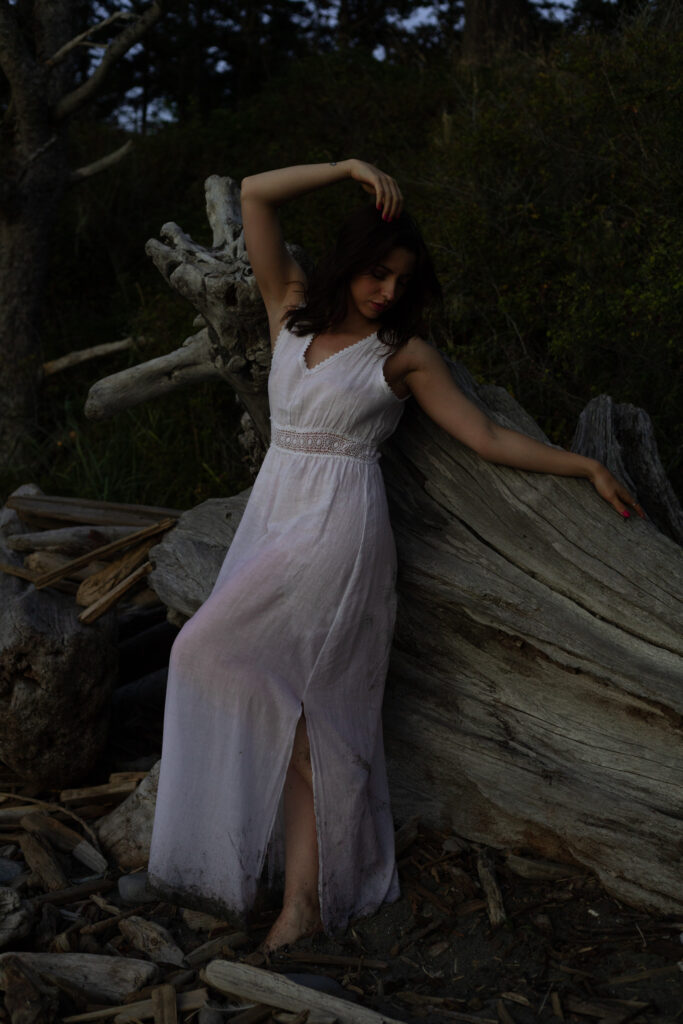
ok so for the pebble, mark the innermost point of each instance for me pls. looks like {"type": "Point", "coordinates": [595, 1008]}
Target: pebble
{"type": "Point", "coordinates": [134, 889]}
{"type": "Point", "coordinates": [9, 869]}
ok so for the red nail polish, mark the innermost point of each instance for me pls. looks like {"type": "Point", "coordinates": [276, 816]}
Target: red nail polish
{"type": "Point", "coordinates": [626, 515]}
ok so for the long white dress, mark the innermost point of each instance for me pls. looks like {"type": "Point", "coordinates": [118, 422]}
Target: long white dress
{"type": "Point", "coordinates": [300, 618]}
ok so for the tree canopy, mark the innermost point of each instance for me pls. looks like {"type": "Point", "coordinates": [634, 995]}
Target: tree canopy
{"type": "Point", "coordinates": [545, 177]}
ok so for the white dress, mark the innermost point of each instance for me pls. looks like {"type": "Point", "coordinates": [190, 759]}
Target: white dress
{"type": "Point", "coordinates": [300, 618]}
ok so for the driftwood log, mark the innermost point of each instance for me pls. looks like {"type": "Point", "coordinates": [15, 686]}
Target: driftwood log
{"type": "Point", "coordinates": [107, 979]}
{"type": "Point", "coordinates": [56, 677]}
{"type": "Point", "coordinates": [534, 698]}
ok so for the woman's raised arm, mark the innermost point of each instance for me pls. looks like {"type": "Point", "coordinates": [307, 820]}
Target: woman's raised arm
{"type": "Point", "coordinates": [428, 378]}
{"type": "Point", "coordinates": [280, 279]}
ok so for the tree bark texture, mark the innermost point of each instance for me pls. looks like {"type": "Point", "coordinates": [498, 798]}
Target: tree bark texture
{"type": "Point", "coordinates": [534, 699]}
{"type": "Point", "coordinates": [34, 173]}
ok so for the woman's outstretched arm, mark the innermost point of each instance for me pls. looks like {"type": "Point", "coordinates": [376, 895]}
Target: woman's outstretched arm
{"type": "Point", "coordinates": [430, 382]}
{"type": "Point", "coordinates": [280, 279]}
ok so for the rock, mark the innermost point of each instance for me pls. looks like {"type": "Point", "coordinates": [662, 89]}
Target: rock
{"type": "Point", "coordinates": [133, 889]}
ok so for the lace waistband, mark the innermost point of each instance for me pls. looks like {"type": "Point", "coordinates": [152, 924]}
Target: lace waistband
{"type": "Point", "coordinates": [321, 442]}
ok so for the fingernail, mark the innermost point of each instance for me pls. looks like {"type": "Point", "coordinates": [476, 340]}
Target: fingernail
{"type": "Point", "coordinates": [626, 515]}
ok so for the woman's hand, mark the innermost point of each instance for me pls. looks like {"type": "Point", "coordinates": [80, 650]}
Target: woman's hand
{"type": "Point", "coordinates": [385, 189]}
{"type": "Point", "coordinates": [609, 488]}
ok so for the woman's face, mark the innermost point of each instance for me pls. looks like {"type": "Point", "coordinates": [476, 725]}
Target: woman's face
{"type": "Point", "coordinates": [383, 284]}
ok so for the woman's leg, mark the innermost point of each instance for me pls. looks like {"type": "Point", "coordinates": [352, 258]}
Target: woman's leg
{"type": "Point", "coordinates": [300, 913]}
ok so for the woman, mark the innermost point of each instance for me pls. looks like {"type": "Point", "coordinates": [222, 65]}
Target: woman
{"type": "Point", "coordinates": [272, 732]}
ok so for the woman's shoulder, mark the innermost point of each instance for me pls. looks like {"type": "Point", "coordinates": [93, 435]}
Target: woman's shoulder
{"type": "Point", "coordinates": [415, 354]}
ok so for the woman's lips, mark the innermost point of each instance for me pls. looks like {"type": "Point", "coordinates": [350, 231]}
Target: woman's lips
{"type": "Point", "coordinates": [379, 307]}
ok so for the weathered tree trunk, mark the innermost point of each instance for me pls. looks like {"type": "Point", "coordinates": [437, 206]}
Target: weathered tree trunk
{"type": "Point", "coordinates": [34, 57]}
{"type": "Point", "coordinates": [35, 175]}
{"type": "Point", "coordinates": [534, 696]}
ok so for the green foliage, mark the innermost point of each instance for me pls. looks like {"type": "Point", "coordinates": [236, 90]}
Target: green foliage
{"type": "Point", "coordinates": [558, 188]}
{"type": "Point", "coordinates": [548, 186]}
{"type": "Point", "coordinates": [114, 290]}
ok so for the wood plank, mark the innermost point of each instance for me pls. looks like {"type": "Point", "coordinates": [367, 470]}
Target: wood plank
{"type": "Point", "coordinates": [127, 776]}
{"type": "Point", "coordinates": [87, 511]}
{"type": "Point", "coordinates": [109, 599]}
{"type": "Point", "coordinates": [43, 862]}
{"type": "Point", "coordinates": [102, 582]}
{"type": "Point", "coordinates": [97, 793]}
{"type": "Point", "coordinates": [275, 990]}
{"type": "Point", "coordinates": [68, 540]}
{"type": "Point", "coordinates": [107, 549]}
{"type": "Point", "coordinates": [42, 562]}
{"type": "Point", "coordinates": [164, 1004]}
{"type": "Point", "coordinates": [19, 571]}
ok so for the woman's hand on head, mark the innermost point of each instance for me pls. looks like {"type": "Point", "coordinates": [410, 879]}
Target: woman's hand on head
{"type": "Point", "coordinates": [609, 488]}
{"type": "Point", "coordinates": [385, 189]}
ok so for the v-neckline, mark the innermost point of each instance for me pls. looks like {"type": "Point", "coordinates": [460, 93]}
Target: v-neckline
{"type": "Point", "coordinates": [327, 359]}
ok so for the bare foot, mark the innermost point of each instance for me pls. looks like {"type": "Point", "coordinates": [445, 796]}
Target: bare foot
{"type": "Point", "coordinates": [295, 921]}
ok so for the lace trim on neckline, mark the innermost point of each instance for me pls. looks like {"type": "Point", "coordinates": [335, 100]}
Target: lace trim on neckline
{"type": "Point", "coordinates": [311, 338]}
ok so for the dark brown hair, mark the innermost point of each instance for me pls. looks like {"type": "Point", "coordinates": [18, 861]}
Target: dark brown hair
{"type": "Point", "coordinates": [363, 241]}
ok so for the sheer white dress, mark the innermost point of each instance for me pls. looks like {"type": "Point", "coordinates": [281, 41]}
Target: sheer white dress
{"type": "Point", "coordinates": [300, 618]}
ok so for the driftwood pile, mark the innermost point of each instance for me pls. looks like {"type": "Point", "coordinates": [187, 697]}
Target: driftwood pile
{"type": "Point", "coordinates": [66, 564]}
{"type": "Point", "coordinates": [79, 947]}
{"type": "Point", "coordinates": [95, 550]}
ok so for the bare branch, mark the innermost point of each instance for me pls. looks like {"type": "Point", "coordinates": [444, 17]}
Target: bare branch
{"type": "Point", "coordinates": [192, 363]}
{"type": "Point", "coordinates": [77, 40]}
{"type": "Point", "coordinates": [116, 49]}
{"type": "Point", "coordinates": [85, 354]}
{"type": "Point", "coordinates": [102, 164]}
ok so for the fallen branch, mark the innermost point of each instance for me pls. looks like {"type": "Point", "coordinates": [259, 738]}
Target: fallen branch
{"type": "Point", "coordinates": [104, 603]}
{"type": "Point", "coordinates": [107, 549]}
{"type": "Point", "coordinates": [84, 355]}
{"type": "Point", "coordinates": [274, 990]}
